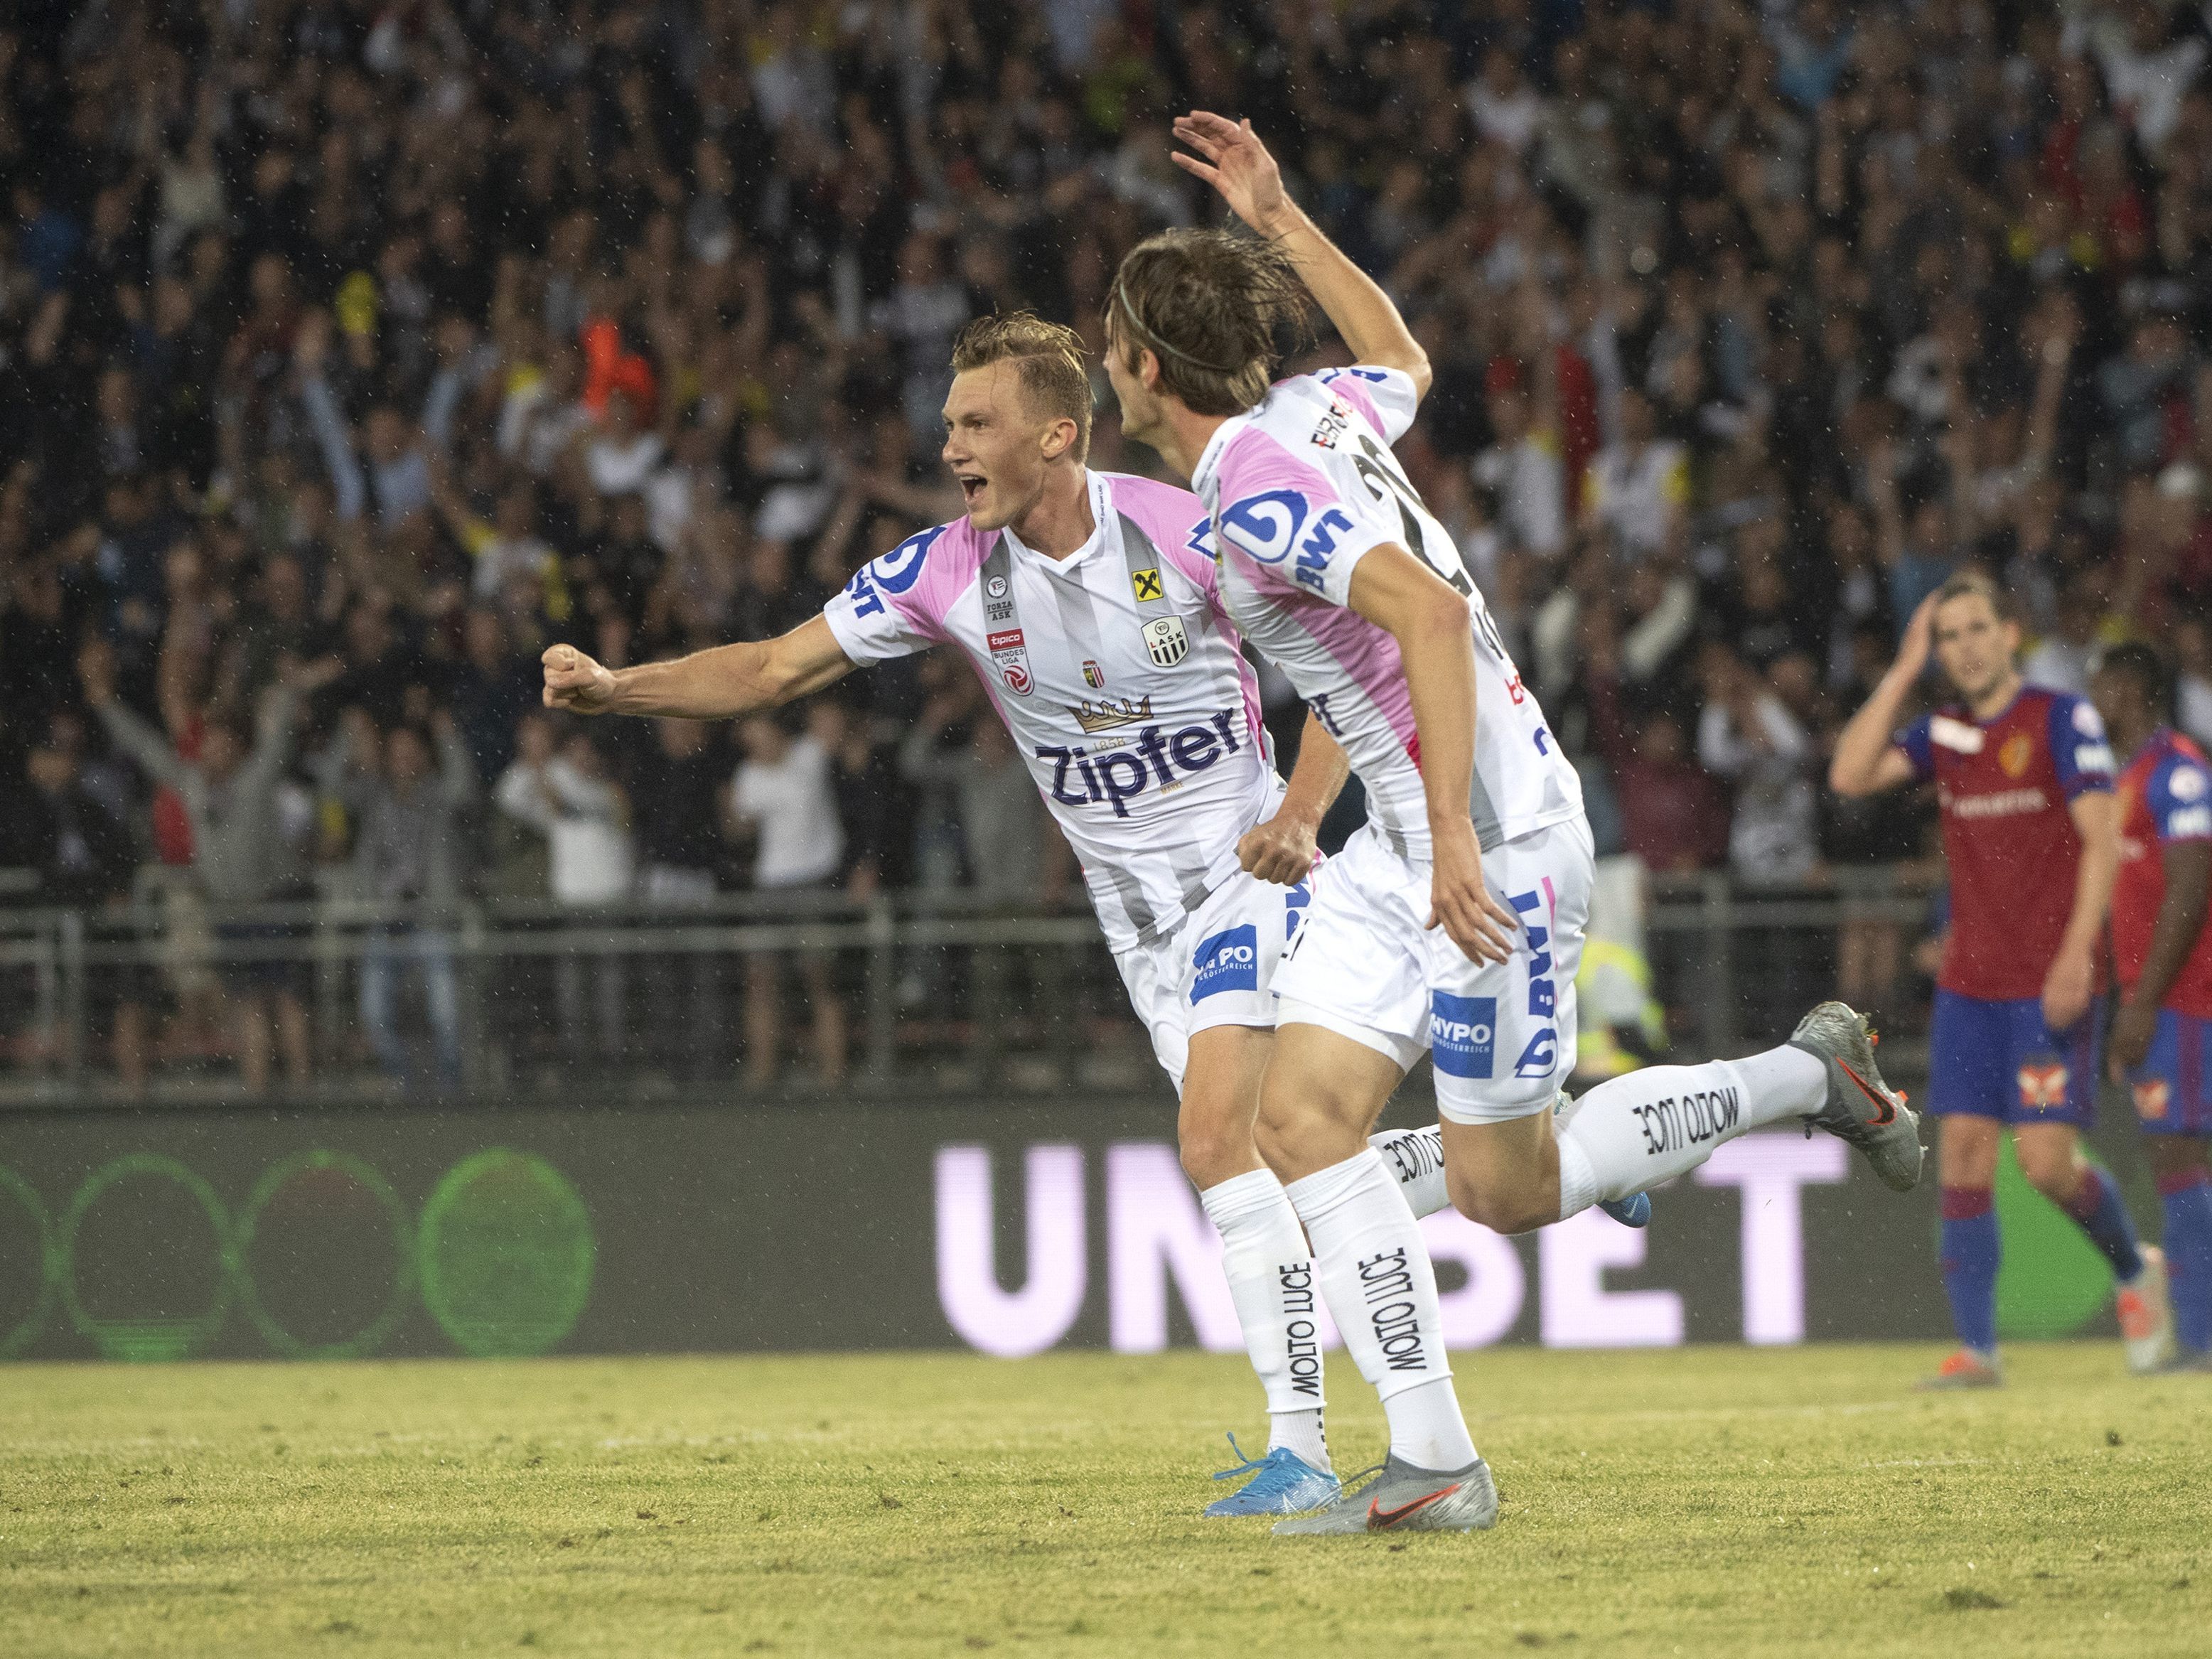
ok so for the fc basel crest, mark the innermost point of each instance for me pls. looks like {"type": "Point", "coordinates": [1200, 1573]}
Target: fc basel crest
{"type": "Point", "coordinates": [1165, 639]}
{"type": "Point", "coordinates": [2151, 1099]}
{"type": "Point", "coordinates": [2014, 756]}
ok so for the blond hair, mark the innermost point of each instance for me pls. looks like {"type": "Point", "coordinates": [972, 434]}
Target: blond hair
{"type": "Point", "coordinates": [1046, 356]}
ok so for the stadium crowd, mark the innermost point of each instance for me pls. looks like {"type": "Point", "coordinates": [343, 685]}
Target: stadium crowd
{"type": "Point", "coordinates": [352, 351]}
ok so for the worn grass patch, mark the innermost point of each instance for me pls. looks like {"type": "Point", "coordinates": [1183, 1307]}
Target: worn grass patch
{"type": "Point", "coordinates": [1714, 1502]}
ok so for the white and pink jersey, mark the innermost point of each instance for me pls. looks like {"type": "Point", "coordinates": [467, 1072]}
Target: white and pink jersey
{"type": "Point", "coordinates": [1120, 676]}
{"type": "Point", "coordinates": [1299, 487]}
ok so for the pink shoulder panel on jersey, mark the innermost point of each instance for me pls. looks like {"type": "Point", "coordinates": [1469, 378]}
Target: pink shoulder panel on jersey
{"type": "Point", "coordinates": [1255, 462]}
{"type": "Point", "coordinates": [950, 554]}
{"type": "Point", "coordinates": [1171, 518]}
{"type": "Point", "coordinates": [1348, 386]}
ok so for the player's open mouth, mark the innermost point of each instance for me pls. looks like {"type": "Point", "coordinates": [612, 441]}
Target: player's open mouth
{"type": "Point", "coordinates": [970, 486]}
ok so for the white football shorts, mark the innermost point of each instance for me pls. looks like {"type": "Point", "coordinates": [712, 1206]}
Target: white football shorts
{"type": "Point", "coordinates": [1366, 966]}
{"type": "Point", "coordinates": [1217, 969]}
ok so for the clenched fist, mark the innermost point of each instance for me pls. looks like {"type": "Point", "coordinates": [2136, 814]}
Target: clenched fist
{"type": "Point", "coordinates": [576, 683]}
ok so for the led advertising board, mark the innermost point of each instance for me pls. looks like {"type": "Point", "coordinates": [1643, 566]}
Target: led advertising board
{"type": "Point", "coordinates": [1008, 1229]}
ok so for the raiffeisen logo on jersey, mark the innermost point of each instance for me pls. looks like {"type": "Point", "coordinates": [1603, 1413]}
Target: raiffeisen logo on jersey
{"type": "Point", "coordinates": [1155, 759]}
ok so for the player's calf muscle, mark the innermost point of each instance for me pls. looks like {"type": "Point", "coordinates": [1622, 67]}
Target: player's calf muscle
{"type": "Point", "coordinates": [1505, 1176]}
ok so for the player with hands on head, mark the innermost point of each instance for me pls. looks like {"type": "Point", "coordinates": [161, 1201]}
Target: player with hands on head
{"type": "Point", "coordinates": [1087, 604]}
{"type": "Point", "coordinates": [2024, 783]}
{"type": "Point", "coordinates": [2163, 955]}
{"type": "Point", "coordinates": [1451, 923]}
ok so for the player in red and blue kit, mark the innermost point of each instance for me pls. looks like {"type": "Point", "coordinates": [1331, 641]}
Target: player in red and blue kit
{"type": "Point", "coordinates": [2024, 779]}
{"type": "Point", "coordinates": [2163, 953]}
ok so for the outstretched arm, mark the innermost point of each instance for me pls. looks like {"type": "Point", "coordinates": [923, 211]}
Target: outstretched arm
{"type": "Point", "coordinates": [706, 685]}
{"type": "Point", "coordinates": [1231, 158]}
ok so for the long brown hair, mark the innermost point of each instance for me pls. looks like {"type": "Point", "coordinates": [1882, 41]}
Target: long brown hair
{"type": "Point", "coordinates": [1208, 304]}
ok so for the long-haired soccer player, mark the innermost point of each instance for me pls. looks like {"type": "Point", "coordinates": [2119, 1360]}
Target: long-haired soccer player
{"type": "Point", "coordinates": [2163, 952]}
{"type": "Point", "coordinates": [2024, 781]}
{"type": "Point", "coordinates": [1088, 604]}
{"type": "Point", "coordinates": [1452, 922]}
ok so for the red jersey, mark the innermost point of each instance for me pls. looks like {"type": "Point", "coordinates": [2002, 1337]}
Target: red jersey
{"type": "Point", "coordinates": [2166, 795]}
{"type": "Point", "coordinates": [2004, 785]}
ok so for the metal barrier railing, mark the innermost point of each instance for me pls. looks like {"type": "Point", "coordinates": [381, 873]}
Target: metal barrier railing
{"type": "Point", "coordinates": [529, 992]}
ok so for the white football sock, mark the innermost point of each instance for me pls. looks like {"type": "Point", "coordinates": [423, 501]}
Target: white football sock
{"type": "Point", "coordinates": [1271, 1280]}
{"type": "Point", "coordinates": [1375, 1270]}
{"type": "Point", "coordinates": [1300, 1431]}
{"type": "Point", "coordinates": [1416, 1158]}
{"type": "Point", "coordinates": [1634, 1131]}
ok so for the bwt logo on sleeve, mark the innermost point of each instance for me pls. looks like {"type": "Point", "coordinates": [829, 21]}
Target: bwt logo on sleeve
{"type": "Point", "coordinates": [1463, 1034]}
{"type": "Point", "coordinates": [1229, 961]}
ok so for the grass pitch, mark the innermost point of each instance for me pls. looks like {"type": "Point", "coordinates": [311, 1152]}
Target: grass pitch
{"type": "Point", "coordinates": [1714, 1502]}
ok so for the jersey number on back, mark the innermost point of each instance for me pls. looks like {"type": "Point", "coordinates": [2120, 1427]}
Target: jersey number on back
{"type": "Point", "coordinates": [1378, 470]}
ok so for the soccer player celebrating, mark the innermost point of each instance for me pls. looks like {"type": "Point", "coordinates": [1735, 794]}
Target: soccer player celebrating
{"type": "Point", "coordinates": [1452, 922]}
{"type": "Point", "coordinates": [2024, 778]}
{"type": "Point", "coordinates": [2164, 955]}
{"type": "Point", "coordinates": [1089, 607]}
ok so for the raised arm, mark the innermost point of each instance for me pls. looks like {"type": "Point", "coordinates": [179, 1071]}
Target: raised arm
{"type": "Point", "coordinates": [706, 685]}
{"type": "Point", "coordinates": [155, 754]}
{"type": "Point", "coordinates": [1236, 163]}
{"type": "Point", "coordinates": [1867, 761]}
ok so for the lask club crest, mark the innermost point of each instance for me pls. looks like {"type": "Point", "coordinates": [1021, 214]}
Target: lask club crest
{"type": "Point", "coordinates": [1165, 639]}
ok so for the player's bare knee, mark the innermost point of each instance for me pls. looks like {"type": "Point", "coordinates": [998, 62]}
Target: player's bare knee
{"type": "Point", "coordinates": [1491, 1205]}
{"type": "Point", "coordinates": [2056, 1176]}
{"type": "Point", "coordinates": [1212, 1152]}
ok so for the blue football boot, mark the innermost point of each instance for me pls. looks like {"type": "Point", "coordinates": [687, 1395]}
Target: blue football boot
{"type": "Point", "coordinates": [1634, 1210]}
{"type": "Point", "coordinates": [1282, 1483]}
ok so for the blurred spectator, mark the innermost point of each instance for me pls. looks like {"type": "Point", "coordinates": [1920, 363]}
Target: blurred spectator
{"type": "Point", "coordinates": [84, 858]}
{"type": "Point", "coordinates": [782, 795]}
{"type": "Point", "coordinates": [2061, 660]}
{"type": "Point", "coordinates": [1749, 324]}
{"type": "Point", "coordinates": [409, 855]}
{"type": "Point", "coordinates": [1638, 484]}
{"type": "Point", "coordinates": [1674, 816]}
{"type": "Point", "coordinates": [674, 782]}
{"type": "Point", "coordinates": [870, 798]}
{"type": "Point", "coordinates": [568, 797]}
{"type": "Point", "coordinates": [1747, 735]}
{"type": "Point", "coordinates": [1001, 816]}
{"type": "Point", "coordinates": [240, 855]}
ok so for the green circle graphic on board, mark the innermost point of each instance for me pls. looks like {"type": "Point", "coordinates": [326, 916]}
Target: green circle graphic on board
{"type": "Point", "coordinates": [2053, 1281]}
{"type": "Point", "coordinates": [146, 1335]}
{"type": "Point", "coordinates": [327, 1167]}
{"type": "Point", "coordinates": [506, 1254]}
{"type": "Point", "coordinates": [21, 1335]}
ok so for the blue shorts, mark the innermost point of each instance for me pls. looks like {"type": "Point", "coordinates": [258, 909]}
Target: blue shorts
{"type": "Point", "coordinates": [2169, 1085]}
{"type": "Point", "coordinates": [1999, 1060]}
